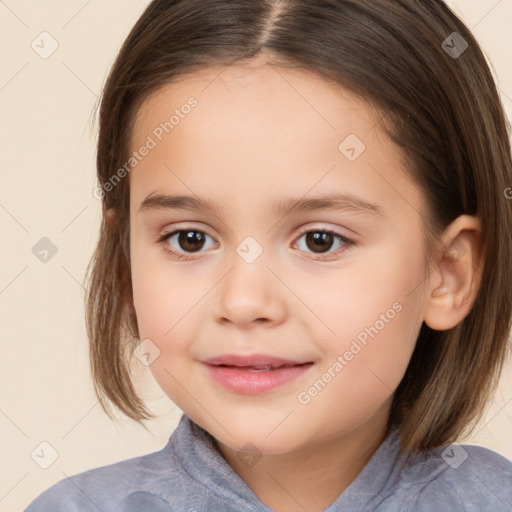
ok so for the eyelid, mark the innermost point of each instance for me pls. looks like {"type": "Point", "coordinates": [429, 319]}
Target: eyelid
{"type": "Point", "coordinates": [333, 230]}
{"type": "Point", "coordinates": [183, 226]}
{"type": "Point", "coordinates": [348, 242]}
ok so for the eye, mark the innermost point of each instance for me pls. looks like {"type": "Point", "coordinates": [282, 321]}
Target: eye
{"type": "Point", "coordinates": [190, 240]}
{"type": "Point", "coordinates": [321, 240]}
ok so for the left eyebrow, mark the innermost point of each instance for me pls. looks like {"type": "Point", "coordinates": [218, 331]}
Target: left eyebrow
{"type": "Point", "coordinates": [337, 202]}
{"type": "Point", "coordinates": [340, 202]}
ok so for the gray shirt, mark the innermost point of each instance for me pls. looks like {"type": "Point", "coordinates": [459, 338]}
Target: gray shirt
{"type": "Point", "coordinates": [190, 475]}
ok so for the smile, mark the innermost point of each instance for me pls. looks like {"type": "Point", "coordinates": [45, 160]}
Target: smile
{"type": "Point", "coordinates": [255, 379]}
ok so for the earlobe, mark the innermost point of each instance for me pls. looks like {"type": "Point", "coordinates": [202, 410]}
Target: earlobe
{"type": "Point", "coordinates": [456, 279]}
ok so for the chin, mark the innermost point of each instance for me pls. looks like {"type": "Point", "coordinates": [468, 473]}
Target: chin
{"type": "Point", "coordinates": [261, 437]}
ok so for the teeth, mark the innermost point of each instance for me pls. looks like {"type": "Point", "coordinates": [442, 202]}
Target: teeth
{"type": "Point", "coordinates": [259, 368]}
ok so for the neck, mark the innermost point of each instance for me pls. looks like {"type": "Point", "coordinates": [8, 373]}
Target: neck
{"type": "Point", "coordinates": [312, 477]}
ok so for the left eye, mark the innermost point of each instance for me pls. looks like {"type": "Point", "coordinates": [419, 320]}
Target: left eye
{"type": "Point", "coordinates": [319, 241]}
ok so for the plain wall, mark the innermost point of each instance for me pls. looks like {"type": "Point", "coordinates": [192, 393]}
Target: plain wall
{"type": "Point", "coordinates": [48, 176]}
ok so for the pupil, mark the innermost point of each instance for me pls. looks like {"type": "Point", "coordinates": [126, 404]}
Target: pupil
{"type": "Point", "coordinates": [319, 239]}
{"type": "Point", "coordinates": [188, 238]}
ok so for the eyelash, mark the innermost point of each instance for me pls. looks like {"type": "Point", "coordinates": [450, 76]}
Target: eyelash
{"type": "Point", "coordinates": [188, 256]}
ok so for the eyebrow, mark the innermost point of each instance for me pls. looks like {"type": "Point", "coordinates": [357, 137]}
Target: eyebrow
{"type": "Point", "coordinates": [336, 202]}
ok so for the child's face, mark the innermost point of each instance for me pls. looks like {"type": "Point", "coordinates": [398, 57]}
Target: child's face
{"type": "Point", "coordinates": [256, 136]}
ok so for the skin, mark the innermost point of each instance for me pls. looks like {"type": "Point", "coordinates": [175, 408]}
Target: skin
{"type": "Point", "coordinates": [259, 133]}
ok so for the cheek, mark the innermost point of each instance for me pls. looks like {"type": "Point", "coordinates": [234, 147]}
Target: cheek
{"type": "Point", "coordinates": [362, 366]}
{"type": "Point", "coordinates": [161, 297]}
{"type": "Point", "coordinates": [370, 291]}
{"type": "Point", "coordinates": [374, 313]}
{"type": "Point", "coordinates": [158, 307]}
{"type": "Point", "coordinates": [163, 301]}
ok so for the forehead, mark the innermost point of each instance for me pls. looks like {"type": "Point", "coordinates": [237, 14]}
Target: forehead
{"type": "Point", "coordinates": [261, 129]}
{"type": "Point", "coordinates": [256, 87]}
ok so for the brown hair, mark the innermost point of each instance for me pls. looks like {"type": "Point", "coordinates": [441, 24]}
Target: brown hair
{"type": "Point", "coordinates": [442, 110]}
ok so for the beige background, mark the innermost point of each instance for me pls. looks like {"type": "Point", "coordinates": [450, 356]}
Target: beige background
{"type": "Point", "coordinates": [47, 183]}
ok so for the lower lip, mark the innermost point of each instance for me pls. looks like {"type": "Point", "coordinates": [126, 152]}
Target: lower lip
{"type": "Point", "coordinates": [254, 382]}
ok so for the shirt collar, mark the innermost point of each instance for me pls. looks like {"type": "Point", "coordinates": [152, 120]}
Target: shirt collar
{"type": "Point", "coordinates": [201, 459]}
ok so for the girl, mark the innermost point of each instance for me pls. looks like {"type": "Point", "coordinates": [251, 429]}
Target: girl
{"type": "Point", "coordinates": [236, 138]}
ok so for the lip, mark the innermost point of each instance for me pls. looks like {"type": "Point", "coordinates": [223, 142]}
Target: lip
{"type": "Point", "coordinates": [251, 360]}
{"type": "Point", "coordinates": [237, 373]}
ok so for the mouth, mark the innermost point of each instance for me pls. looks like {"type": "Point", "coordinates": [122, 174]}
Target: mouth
{"type": "Point", "coordinates": [254, 374]}
{"type": "Point", "coordinates": [260, 368]}
{"type": "Point", "coordinates": [261, 362]}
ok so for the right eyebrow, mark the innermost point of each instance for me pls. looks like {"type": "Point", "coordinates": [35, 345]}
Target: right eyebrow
{"type": "Point", "coordinates": [173, 202]}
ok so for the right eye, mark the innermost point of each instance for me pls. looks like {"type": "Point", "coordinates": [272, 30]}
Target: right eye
{"type": "Point", "coordinates": [190, 240]}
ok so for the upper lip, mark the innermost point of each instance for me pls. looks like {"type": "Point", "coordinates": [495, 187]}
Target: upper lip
{"type": "Point", "coordinates": [251, 360]}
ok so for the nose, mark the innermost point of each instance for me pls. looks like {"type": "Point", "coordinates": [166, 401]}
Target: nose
{"type": "Point", "coordinates": [250, 293]}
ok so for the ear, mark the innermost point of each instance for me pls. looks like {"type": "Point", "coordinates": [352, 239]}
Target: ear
{"type": "Point", "coordinates": [456, 278]}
